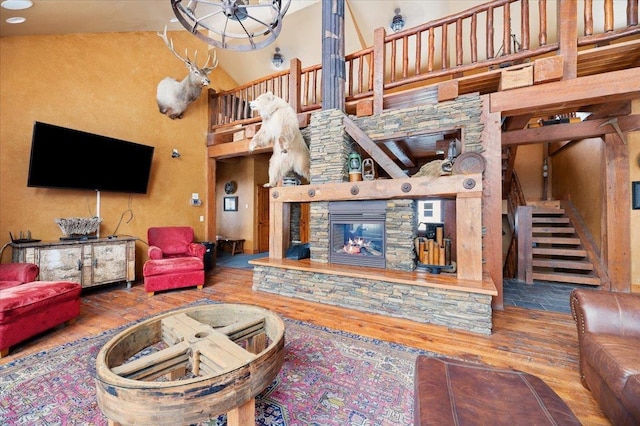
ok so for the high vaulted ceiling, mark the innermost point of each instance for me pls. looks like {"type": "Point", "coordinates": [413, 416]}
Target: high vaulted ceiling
{"type": "Point", "coordinates": [301, 35]}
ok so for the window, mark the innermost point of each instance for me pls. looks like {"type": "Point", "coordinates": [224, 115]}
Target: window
{"type": "Point", "coordinates": [429, 211]}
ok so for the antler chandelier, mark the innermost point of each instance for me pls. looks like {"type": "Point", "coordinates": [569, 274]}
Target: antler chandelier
{"type": "Point", "coordinates": [232, 24]}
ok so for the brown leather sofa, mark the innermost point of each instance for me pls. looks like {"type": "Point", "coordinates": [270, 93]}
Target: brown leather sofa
{"type": "Point", "coordinates": [609, 341]}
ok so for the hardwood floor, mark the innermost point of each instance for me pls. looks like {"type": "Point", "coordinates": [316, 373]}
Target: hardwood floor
{"type": "Point", "coordinates": [538, 342]}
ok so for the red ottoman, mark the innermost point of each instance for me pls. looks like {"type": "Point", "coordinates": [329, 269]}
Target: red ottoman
{"type": "Point", "coordinates": [171, 273]}
{"type": "Point", "coordinates": [31, 308]}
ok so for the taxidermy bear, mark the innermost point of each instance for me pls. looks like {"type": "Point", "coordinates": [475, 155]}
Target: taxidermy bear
{"type": "Point", "coordinates": [280, 128]}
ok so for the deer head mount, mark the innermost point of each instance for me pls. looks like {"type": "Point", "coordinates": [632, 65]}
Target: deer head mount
{"type": "Point", "coordinates": [175, 96]}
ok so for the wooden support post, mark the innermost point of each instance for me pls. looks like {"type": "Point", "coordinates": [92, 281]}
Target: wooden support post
{"type": "Point", "coordinates": [616, 250]}
{"type": "Point", "coordinates": [279, 227]}
{"type": "Point", "coordinates": [492, 198]}
{"type": "Point", "coordinates": [469, 224]}
{"type": "Point", "coordinates": [524, 223]}
{"type": "Point", "coordinates": [295, 86]}
{"type": "Point", "coordinates": [378, 70]}
{"type": "Point", "coordinates": [567, 35]}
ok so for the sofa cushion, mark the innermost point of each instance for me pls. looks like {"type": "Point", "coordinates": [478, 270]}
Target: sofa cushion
{"type": "Point", "coordinates": [172, 266]}
{"type": "Point", "coordinates": [7, 284]}
{"type": "Point", "coordinates": [22, 300]}
{"type": "Point", "coordinates": [614, 358]}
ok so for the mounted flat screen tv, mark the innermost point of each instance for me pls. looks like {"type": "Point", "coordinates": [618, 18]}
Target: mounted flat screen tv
{"type": "Point", "coordinates": [73, 159]}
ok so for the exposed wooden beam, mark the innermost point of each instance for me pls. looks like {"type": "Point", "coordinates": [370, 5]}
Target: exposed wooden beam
{"type": "Point", "coordinates": [612, 109]}
{"type": "Point", "coordinates": [372, 149]}
{"type": "Point", "coordinates": [595, 89]}
{"type": "Point", "coordinates": [571, 131]}
{"type": "Point", "coordinates": [400, 152]}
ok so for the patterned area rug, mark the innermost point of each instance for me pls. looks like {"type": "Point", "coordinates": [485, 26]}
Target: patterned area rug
{"type": "Point", "coordinates": [329, 377]}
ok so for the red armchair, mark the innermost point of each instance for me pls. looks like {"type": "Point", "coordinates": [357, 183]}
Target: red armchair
{"type": "Point", "coordinates": [175, 260]}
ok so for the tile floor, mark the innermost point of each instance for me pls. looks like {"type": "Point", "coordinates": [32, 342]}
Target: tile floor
{"type": "Point", "coordinates": [540, 295]}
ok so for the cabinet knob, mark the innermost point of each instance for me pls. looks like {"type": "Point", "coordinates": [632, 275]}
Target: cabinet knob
{"type": "Point", "coordinates": [95, 262]}
{"type": "Point", "coordinates": [79, 265]}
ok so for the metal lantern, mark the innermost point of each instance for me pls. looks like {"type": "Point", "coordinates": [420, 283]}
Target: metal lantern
{"type": "Point", "coordinates": [355, 163]}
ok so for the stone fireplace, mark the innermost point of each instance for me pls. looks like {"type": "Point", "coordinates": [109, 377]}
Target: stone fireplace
{"type": "Point", "coordinates": [384, 229]}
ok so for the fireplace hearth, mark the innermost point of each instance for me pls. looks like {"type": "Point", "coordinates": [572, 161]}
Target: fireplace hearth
{"type": "Point", "coordinates": [357, 233]}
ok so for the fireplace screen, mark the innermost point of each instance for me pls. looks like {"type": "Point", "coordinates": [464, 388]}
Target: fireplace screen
{"type": "Point", "coordinates": [357, 233]}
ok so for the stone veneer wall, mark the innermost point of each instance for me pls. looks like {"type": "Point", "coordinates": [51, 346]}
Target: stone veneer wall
{"type": "Point", "coordinates": [330, 147]}
{"type": "Point", "coordinates": [400, 225]}
{"type": "Point", "coordinates": [455, 309]}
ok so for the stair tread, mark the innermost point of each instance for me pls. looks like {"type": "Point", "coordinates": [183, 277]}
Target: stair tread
{"type": "Point", "coordinates": [566, 278]}
{"type": "Point", "coordinates": [556, 240]}
{"type": "Point", "coordinates": [546, 219]}
{"type": "Point", "coordinates": [559, 251]}
{"type": "Point", "coordinates": [563, 264]}
{"type": "Point", "coordinates": [553, 230]}
{"type": "Point", "coordinates": [546, 211]}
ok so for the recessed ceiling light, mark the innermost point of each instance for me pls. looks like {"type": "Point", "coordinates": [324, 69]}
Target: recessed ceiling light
{"type": "Point", "coordinates": [15, 20]}
{"type": "Point", "coordinates": [16, 4]}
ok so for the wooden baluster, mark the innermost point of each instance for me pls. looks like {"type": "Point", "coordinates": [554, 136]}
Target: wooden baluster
{"type": "Point", "coordinates": [542, 11]}
{"type": "Point", "coordinates": [361, 63]}
{"type": "Point", "coordinates": [608, 16]}
{"type": "Point", "coordinates": [524, 31]}
{"type": "Point", "coordinates": [418, 52]}
{"type": "Point", "coordinates": [632, 13]}
{"type": "Point", "coordinates": [371, 71]}
{"type": "Point", "coordinates": [473, 38]}
{"type": "Point", "coordinates": [506, 33]}
{"type": "Point", "coordinates": [393, 60]}
{"type": "Point", "coordinates": [405, 57]}
{"type": "Point", "coordinates": [432, 49]}
{"type": "Point", "coordinates": [490, 32]}
{"type": "Point", "coordinates": [445, 48]}
{"type": "Point", "coordinates": [349, 66]}
{"type": "Point", "coordinates": [315, 86]}
{"type": "Point", "coordinates": [459, 58]}
{"type": "Point", "coordinates": [588, 17]}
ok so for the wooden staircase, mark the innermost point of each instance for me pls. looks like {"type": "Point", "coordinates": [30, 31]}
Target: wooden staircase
{"type": "Point", "coordinates": [557, 250]}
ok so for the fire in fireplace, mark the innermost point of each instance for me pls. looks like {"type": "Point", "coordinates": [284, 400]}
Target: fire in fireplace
{"type": "Point", "coordinates": [357, 233]}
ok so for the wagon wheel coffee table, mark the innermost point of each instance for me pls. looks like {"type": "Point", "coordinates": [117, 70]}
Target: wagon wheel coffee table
{"type": "Point", "coordinates": [191, 364]}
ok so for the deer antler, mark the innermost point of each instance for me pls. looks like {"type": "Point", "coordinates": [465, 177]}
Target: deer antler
{"type": "Point", "coordinates": [186, 59]}
{"type": "Point", "coordinates": [169, 43]}
{"type": "Point", "coordinates": [214, 62]}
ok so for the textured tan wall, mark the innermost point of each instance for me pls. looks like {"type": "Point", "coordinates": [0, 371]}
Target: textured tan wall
{"type": "Point", "coordinates": [105, 84]}
{"type": "Point", "coordinates": [528, 167]}
{"type": "Point", "coordinates": [577, 176]}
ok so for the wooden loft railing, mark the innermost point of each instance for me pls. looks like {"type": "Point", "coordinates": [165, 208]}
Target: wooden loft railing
{"type": "Point", "coordinates": [442, 50]}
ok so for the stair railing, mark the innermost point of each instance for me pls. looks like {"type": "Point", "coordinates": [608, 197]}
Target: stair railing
{"type": "Point", "coordinates": [515, 200]}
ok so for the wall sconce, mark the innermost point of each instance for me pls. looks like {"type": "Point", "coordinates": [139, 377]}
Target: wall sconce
{"type": "Point", "coordinates": [175, 153]}
{"type": "Point", "coordinates": [398, 21]}
{"type": "Point", "coordinates": [277, 59]}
